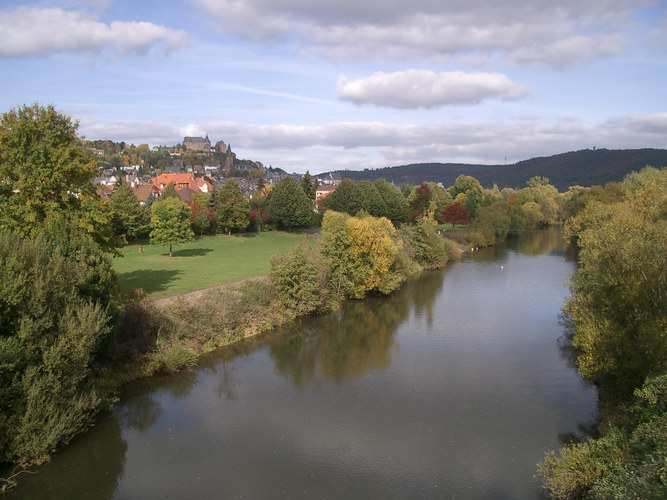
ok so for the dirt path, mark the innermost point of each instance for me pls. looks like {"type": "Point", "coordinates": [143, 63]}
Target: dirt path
{"type": "Point", "coordinates": [198, 293]}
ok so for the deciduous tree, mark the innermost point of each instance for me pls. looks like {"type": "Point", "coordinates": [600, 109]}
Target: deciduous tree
{"type": "Point", "coordinates": [455, 214]}
{"type": "Point", "coordinates": [130, 219]}
{"type": "Point", "coordinates": [371, 199]}
{"type": "Point", "coordinates": [45, 171]}
{"type": "Point", "coordinates": [232, 210]}
{"type": "Point", "coordinates": [618, 294]}
{"type": "Point", "coordinates": [170, 219]}
{"type": "Point", "coordinates": [309, 185]}
{"type": "Point", "coordinates": [473, 191]}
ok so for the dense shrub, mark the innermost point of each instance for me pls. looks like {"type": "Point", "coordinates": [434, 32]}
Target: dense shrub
{"type": "Point", "coordinates": [628, 461]}
{"type": "Point", "coordinates": [428, 248]}
{"type": "Point", "coordinates": [300, 280]}
{"type": "Point", "coordinates": [56, 318]}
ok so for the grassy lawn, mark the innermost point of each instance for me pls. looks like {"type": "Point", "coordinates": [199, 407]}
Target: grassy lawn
{"type": "Point", "coordinates": [203, 263]}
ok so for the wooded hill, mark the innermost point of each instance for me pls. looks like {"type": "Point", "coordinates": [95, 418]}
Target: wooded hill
{"type": "Point", "coordinates": [587, 167]}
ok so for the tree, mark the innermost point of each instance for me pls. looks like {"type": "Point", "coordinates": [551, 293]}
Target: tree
{"type": "Point", "coordinates": [473, 191]}
{"type": "Point", "coordinates": [309, 185]}
{"type": "Point", "coordinates": [455, 214]}
{"type": "Point", "coordinates": [201, 222]}
{"type": "Point", "coordinates": [372, 200]}
{"type": "Point", "coordinates": [170, 219]}
{"type": "Point", "coordinates": [57, 303]}
{"type": "Point", "coordinates": [361, 253]}
{"type": "Point", "coordinates": [394, 201]}
{"type": "Point", "coordinates": [300, 280]}
{"type": "Point", "coordinates": [289, 205]}
{"type": "Point", "coordinates": [617, 301]}
{"type": "Point", "coordinates": [130, 219]}
{"type": "Point", "coordinates": [346, 198]}
{"type": "Point", "coordinates": [420, 201]}
{"type": "Point", "coordinates": [45, 171]}
{"type": "Point", "coordinates": [232, 211]}
{"type": "Point", "coordinates": [170, 191]}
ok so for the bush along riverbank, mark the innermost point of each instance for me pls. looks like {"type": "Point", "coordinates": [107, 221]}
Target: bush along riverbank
{"type": "Point", "coordinates": [616, 312]}
{"type": "Point", "coordinates": [356, 256]}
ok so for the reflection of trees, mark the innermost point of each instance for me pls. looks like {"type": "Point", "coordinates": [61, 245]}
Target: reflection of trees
{"type": "Point", "coordinates": [226, 388]}
{"type": "Point", "coordinates": [88, 468]}
{"type": "Point", "coordinates": [424, 292]}
{"type": "Point", "coordinates": [337, 346]}
{"type": "Point", "coordinates": [538, 242]}
{"type": "Point", "coordinates": [357, 338]}
{"type": "Point", "coordinates": [139, 412]}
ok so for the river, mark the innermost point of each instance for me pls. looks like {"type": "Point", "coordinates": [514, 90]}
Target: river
{"type": "Point", "coordinates": [454, 387]}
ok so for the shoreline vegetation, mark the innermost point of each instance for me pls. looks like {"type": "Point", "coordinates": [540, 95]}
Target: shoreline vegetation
{"type": "Point", "coordinates": [170, 334]}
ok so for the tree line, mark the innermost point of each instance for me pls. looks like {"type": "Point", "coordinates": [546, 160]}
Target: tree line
{"type": "Point", "coordinates": [617, 318]}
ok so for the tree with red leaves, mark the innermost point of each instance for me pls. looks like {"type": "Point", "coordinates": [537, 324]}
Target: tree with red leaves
{"type": "Point", "coordinates": [455, 214]}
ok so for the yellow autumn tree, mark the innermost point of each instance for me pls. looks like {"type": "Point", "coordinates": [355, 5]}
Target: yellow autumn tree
{"type": "Point", "coordinates": [361, 252]}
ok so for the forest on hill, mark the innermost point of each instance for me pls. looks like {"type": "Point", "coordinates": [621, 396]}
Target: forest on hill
{"type": "Point", "coordinates": [587, 167]}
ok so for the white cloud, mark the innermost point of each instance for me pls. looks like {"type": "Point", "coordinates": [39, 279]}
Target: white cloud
{"type": "Point", "coordinates": [545, 32]}
{"type": "Point", "coordinates": [359, 145]}
{"type": "Point", "coordinates": [413, 88]}
{"type": "Point", "coordinates": [32, 31]}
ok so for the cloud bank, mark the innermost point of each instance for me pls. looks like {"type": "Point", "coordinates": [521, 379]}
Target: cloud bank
{"type": "Point", "coordinates": [33, 31]}
{"type": "Point", "coordinates": [530, 32]}
{"type": "Point", "coordinates": [357, 145]}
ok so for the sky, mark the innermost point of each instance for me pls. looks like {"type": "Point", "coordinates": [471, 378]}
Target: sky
{"type": "Point", "coordinates": [347, 84]}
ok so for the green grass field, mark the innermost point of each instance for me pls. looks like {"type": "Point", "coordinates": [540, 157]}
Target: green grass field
{"type": "Point", "coordinates": [203, 263]}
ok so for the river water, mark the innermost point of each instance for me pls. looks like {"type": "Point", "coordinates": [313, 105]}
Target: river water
{"type": "Point", "coordinates": [454, 387]}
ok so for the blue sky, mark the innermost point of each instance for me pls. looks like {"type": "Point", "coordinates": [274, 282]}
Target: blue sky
{"type": "Point", "coordinates": [321, 85]}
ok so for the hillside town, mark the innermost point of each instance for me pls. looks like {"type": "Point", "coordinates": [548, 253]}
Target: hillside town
{"type": "Point", "coordinates": [194, 166]}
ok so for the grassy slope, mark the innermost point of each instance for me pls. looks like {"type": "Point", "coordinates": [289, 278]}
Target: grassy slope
{"type": "Point", "coordinates": [203, 263]}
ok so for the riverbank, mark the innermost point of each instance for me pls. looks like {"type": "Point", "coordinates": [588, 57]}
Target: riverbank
{"type": "Point", "coordinates": [393, 384]}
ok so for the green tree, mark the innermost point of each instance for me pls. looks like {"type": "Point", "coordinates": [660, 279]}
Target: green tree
{"type": "Point", "coordinates": [472, 189]}
{"type": "Point", "coordinates": [300, 280]}
{"type": "Point", "coordinates": [289, 205]}
{"type": "Point", "coordinates": [618, 294]}
{"type": "Point", "coordinates": [371, 199]}
{"type": "Point", "coordinates": [170, 191]}
{"type": "Point", "coordinates": [394, 201]}
{"type": "Point", "coordinates": [309, 185]}
{"type": "Point", "coordinates": [346, 198]}
{"type": "Point", "coordinates": [46, 171]}
{"type": "Point", "coordinates": [57, 303]}
{"type": "Point", "coordinates": [170, 219]}
{"type": "Point", "coordinates": [232, 210]}
{"type": "Point", "coordinates": [130, 219]}
{"type": "Point", "coordinates": [201, 222]}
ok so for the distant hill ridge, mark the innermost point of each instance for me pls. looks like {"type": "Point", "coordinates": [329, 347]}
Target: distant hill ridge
{"type": "Point", "coordinates": [587, 167]}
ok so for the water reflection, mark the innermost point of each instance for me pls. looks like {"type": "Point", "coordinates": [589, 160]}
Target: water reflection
{"type": "Point", "coordinates": [93, 464]}
{"type": "Point", "coordinates": [337, 346]}
{"type": "Point", "coordinates": [354, 340]}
